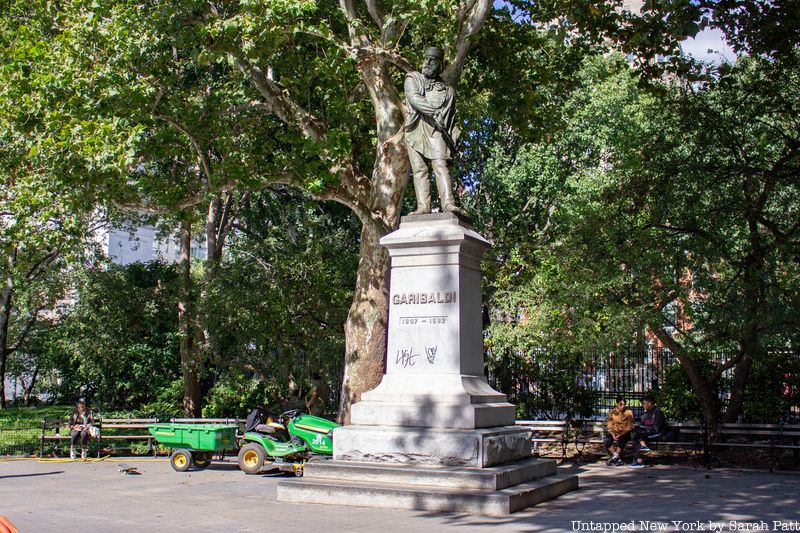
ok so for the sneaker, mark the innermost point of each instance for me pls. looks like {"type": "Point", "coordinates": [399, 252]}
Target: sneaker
{"type": "Point", "coordinates": [72, 453]}
{"type": "Point", "coordinates": [636, 465]}
{"type": "Point", "coordinates": [83, 453]}
{"type": "Point", "coordinates": [611, 462]}
{"type": "Point", "coordinates": [644, 449]}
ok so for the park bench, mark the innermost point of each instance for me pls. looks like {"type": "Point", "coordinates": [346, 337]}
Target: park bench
{"type": "Point", "coordinates": [547, 432]}
{"type": "Point", "coordinates": [587, 431]}
{"type": "Point", "coordinates": [127, 430]}
{"type": "Point", "coordinates": [56, 430]}
{"type": "Point", "coordinates": [690, 435]}
{"type": "Point", "coordinates": [773, 437]}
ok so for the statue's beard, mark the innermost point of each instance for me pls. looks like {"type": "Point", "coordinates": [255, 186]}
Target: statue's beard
{"type": "Point", "coordinates": [432, 73]}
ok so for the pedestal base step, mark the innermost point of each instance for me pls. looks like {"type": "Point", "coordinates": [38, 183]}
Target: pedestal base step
{"type": "Point", "coordinates": [490, 478]}
{"type": "Point", "coordinates": [483, 502]}
{"type": "Point", "coordinates": [480, 448]}
{"type": "Point", "coordinates": [495, 491]}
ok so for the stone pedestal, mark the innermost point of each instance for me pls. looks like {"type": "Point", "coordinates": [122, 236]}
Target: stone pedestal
{"type": "Point", "coordinates": [434, 409]}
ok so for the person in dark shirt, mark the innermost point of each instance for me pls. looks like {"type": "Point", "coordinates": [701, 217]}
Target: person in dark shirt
{"type": "Point", "coordinates": [651, 426]}
{"type": "Point", "coordinates": [80, 424]}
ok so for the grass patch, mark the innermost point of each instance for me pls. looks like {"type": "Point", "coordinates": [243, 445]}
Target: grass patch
{"type": "Point", "coordinates": [21, 427]}
{"type": "Point", "coordinates": [31, 417]}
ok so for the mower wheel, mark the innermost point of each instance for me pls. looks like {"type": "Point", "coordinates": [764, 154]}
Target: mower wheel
{"type": "Point", "coordinates": [251, 458]}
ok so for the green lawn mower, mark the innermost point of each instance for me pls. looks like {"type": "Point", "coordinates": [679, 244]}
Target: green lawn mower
{"type": "Point", "coordinates": [287, 443]}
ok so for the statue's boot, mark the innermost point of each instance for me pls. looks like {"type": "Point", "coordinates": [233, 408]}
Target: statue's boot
{"type": "Point", "coordinates": [445, 188]}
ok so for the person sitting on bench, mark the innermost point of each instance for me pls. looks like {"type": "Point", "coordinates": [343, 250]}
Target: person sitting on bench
{"type": "Point", "coordinates": [620, 425]}
{"type": "Point", "coordinates": [650, 427]}
{"type": "Point", "coordinates": [80, 424]}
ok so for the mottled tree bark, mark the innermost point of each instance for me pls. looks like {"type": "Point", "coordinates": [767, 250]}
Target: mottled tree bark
{"type": "Point", "coordinates": [365, 328]}
{"type": "Point", "coordinates": [5, 318]}
{"type": "Point", "coordinates": [703, 387]}
{"type": "Point", "coordinates": [189, 366]}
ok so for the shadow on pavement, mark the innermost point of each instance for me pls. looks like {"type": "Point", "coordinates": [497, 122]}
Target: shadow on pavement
{"type": "Point", "coordinates": [33, 475]}
{"type": "Point", "coordinates": [656, 495]}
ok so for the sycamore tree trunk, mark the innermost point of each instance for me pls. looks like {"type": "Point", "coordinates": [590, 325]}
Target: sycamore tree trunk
{"type": "Point", "coordinates": [191, 383]}
{"type": "Point", "coordinates": [703, 388]}
{"type": "Point", "coordinates": [28, 389]}
{"type": "Point", "coordinates": [750, 344]}
{"type": "Point", "coordinates": [366, 326]}
{"type": "Point", "coordinates": [5, 318]}
{"type": "Point", "coordinates": [220, 217]}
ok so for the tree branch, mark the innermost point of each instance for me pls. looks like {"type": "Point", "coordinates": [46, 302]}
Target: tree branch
{"type": "Point", "coordinates": [266, 266]}
{"type": "Point", "coordinates": [336, 194]}
{"type": "Point", "coordinates": [186, 202]}
{"type": "Point", "coordinates": [280, 104]}
{"type": "Point", "coordinates": [730, 363]}
{"type": "Point", "coordinates": [228, 218]}
{"type": "Point", "coordinates": [471, 17]}
{"type": "Point", "coordinates": [204, 161]}
{"type": "Point", "coordinates": [376, 12]}
{"type": "Point", "coordinates": [781, 236]}
{"type": "Point", "coordinates": [25, 330]}
{"type": "Point", "coordinates": [357, 37]}
{"type": "Point", "coordinates": [41, 265]}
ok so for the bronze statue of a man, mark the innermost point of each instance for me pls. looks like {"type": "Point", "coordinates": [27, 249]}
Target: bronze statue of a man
{"type": "Point", "coordinates": [430, 131]}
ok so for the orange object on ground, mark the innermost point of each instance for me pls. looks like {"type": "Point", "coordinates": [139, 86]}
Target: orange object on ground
{"type": "Point", "coordinates": [6, 526]}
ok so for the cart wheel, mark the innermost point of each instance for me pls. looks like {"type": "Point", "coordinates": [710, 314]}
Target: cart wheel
{"type": "Point", "coordinates": [252, 457]}
{"type": "Point", "coordinates": [181, 460]}
{"type": "Point", "coordinates": [201, 459]}
{"type": "Point", "coordinates": [298, 469]}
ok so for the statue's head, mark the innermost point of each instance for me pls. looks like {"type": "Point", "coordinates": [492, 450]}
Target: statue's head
{"type": "Point", "coordinates": [433, 62]}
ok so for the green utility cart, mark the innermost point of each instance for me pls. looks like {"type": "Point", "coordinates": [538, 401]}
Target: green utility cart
{"type": "Point", "coordinates": [193, 444]}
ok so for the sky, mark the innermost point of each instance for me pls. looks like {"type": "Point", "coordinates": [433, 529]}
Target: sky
{"type": "Point", "coordinates": [712, 39]}
{"type": "Point", "coordinates": [697, 47]}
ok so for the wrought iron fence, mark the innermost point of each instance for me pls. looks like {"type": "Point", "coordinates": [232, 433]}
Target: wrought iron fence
{"type": "Point", "coordinates": [549, 384]}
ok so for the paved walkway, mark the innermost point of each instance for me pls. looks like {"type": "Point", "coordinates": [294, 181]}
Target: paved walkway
{"type": "Point", "coordinates": [67, 497]}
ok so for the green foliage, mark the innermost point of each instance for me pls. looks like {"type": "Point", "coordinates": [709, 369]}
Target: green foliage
{"type": "Point", "coordinates": [652, 36]}
{"type": "Point", "coordinates": [236, 394]}
{"type": "Point", "coordinates": [675, 396]}
{"type": "Point", "coordinates": [769, 397]}
{"type": "Point", "coordinates": [280, 300]}
{"type": "Point", "coordinates": [119, 346]}
{"type": "Point", "coordinates": [31, 417]}
{"type": "Point", "coordinates": [551, 388]}
{"type": "Point", "coordinates": [664, 210]}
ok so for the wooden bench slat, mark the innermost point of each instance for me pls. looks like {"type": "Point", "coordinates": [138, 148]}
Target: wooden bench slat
{"type": "Point", "coordinates": [129, 437]}
{"type": "Point", "coordinates": [128, 420]}
{"type": "Point", "coordinates": [124, 426]}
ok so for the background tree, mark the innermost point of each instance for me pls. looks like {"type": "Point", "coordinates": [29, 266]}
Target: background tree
{"type": "Point", "coordinates": [281, 300]}
{"type": "Point", "coordinates": [676, 211]}
{"type": "Point", "coordinates": [319, 84]}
